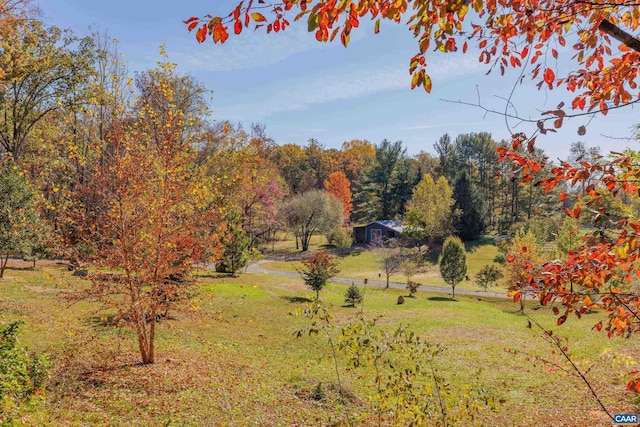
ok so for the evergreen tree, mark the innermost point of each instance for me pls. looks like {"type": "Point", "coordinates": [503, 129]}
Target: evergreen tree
{"type": "Point", "coordinates": [384, 189]}
{"type": "Point", "coordinates": [235, 245]}
{"type": "Point", "coordinates": [453, 263]}
{"type": "Point", "coordinates": [469, 209]}
{"type": "Point", "coordinates": [353, 295]}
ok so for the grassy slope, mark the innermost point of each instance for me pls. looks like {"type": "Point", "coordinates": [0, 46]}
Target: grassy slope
{"type": "Point", "coordinates": [236, 362]}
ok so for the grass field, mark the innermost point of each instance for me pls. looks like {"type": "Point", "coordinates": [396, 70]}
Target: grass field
{"type": "Point", "coordinates": [233, 359]}
{"type": "Point", "coordinates": [364, 264]}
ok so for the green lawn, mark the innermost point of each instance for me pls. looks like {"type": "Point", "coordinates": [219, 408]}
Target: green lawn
{"type": "Point", "coordinates": [233, 358]}
{"type": "Point", "coordinates": [364, 264]}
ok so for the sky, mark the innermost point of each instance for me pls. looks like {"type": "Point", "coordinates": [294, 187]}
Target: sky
{"type": "Point", "coordinates": [301, 89]}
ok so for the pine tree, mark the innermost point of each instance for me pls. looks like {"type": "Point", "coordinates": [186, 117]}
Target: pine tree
{"type": "Point", "coordinates": [469, 209]}
{"type": "Point", "coordinates": [353, 295]}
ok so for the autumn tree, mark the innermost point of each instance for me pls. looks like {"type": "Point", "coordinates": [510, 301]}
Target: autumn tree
{"type": "Point", "coordinates": [238, 164]}
{"type": "Point", "coordinates": [453, 263]}
{"type": "Point", "coordinates": [43, 69]}
{"type": "Point", "coordinates": [317, 270]}
{"type": "Point", "coordinates": [291, 161]}
{"type": "Point", "coordinates": [524, 257]}
{"type": "Point", "coordinates": [429, 210]}
{"type": "Point", "coordinates": [149, 224]}
{"type": "Point", "coordinates": [337, 184]}
{"type": "Point", "coordinates": [507, 34]}
{"type": "Point", "coordinates": [357, 157]}
{"type": "Point", "coordinates": [311, 212]}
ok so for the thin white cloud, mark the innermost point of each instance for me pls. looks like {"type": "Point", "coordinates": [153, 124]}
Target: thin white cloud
{"type": "Point", "coordinates": [344, 83]}
{"type": "Point", "coordinates": [422, 127]}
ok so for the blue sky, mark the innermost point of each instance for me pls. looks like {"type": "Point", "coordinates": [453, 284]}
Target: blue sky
{"type": "Point", "coordinates": [303, 89]}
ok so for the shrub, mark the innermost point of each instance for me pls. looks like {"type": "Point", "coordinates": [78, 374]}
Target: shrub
{"type": "Point", "coordinates": [340, 238]}
{"type": "Point", "coordinates": [413, 288]}
{"type": "Point", "coordinates": [21, 374]}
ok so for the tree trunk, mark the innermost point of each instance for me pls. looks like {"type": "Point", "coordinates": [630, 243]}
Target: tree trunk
{"type": "Point", "coordinates": [453, 292]}
{"type": "Point", "coordinates": [387, 287]}
{"type": "Point", "coordinates": [3, 265]}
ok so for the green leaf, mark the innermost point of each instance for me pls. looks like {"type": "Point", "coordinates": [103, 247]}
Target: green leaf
{"type": "Point", "coordinates": [312, 22]}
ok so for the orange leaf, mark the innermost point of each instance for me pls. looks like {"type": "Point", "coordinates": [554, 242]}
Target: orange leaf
{"type": "Point", "coordinates": [237, 27]}
{"type": "Point", "coordinates": [201, 34]}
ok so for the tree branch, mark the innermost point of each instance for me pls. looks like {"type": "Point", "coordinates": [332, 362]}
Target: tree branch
{"type": "Point", "coordinates": [619, 34]}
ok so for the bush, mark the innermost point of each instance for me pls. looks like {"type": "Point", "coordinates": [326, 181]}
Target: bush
{"type": "Point", "coordinates": [353, 295]}
{"type": "Point", "coordinates": [340, 238]}
{"type": "Point", "coordinates": [21, 374]}
{"type": "Point", "coordinates": [413, 288]}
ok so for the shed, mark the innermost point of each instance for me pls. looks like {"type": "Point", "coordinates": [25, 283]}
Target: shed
{"type": "Point", "coordinates": [385, 228]}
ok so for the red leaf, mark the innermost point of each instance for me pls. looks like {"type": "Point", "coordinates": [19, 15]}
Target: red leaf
{"type": "Point", "coordinates": [556, 311]}
{"type": "Point", "coordinates": [634, 385]}
{"type": "Point", "coordinates": [563, 196]}
{"type": "Point", "coordinates": [549, 76]}
{"type": "Point", "coordinates": [561, 320]}
{"type": "Point", "coordinates": [237, 27]}
{"type": "Point", "coordinates": [192, 25]}
{"type": "Point", "coordinates": [510, 258]}
{"type": "Point", "coordinates": [201, 34]}
{"type": "Point", "coordinates": [582, 130]}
